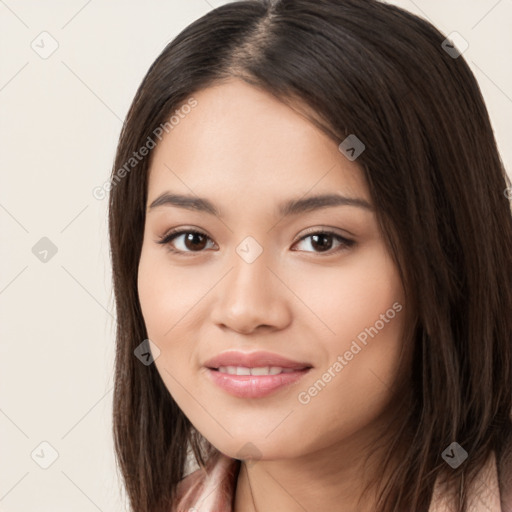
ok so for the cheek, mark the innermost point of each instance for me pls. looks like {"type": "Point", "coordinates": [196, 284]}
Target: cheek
{"type": "Point", "coordinates": [167, 296]}
{"type": "Point", "coordinates": [352, 297]}
{"type": "Point", "coordinates": [170, 297]}
{"type": "Point", "coordinates": [154, 293]}
{"type": "Point", "coordinates": [363, 307]}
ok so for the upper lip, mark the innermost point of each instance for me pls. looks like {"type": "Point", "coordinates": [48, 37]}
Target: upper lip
{"type": "Point", "coordinates": [253, 360]}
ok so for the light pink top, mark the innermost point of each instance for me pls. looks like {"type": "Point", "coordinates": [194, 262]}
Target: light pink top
{"type": "Point", "coordinates": [215, 491]}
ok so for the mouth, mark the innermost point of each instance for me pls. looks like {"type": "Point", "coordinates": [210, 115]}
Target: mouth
{"type": "Point", "coordinates": [262, 363]}
{"type": "Point", "coordinates": [255, 374]}
{"type": "Point", "coordinates": [261, 370]}
{"type": "Point", "coordinates": [246, 384]}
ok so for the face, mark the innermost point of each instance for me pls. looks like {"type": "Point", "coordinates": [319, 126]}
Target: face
{"type": "Point", "coordinates": [315, 285]}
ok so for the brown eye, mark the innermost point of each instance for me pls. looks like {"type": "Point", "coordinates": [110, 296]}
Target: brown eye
{"type": "Point", "coordinates": [186, 241]}
{"type": "Point", "coordinates": [323, 241]}
{"type": "Point", "coordinates": [194, 241]}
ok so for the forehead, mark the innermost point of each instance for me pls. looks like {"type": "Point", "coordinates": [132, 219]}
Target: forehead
{"type": "Point", "coordinates": [239, 137]}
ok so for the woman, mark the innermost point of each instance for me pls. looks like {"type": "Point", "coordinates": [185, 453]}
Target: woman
{"type": "Point", "coordinates": [312, 241]}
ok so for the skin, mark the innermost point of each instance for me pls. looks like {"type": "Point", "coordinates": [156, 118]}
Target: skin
{"type": "Point", "coordinates": [246, 152]}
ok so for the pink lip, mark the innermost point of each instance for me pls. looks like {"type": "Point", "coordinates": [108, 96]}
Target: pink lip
{"type": "Point", "coordinates": [254, 386]}
{"type": "Point", "coordinates": [253, 360]}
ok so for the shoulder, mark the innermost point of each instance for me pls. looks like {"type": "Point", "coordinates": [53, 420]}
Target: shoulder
{"type": "Point", "coordinates": [209, 489]}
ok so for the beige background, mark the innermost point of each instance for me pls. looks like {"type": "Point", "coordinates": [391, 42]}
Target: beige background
{"type": "Point", "coordinates": [59, 123]}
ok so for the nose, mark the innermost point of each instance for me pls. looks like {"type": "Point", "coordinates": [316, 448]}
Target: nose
{"type": "Point", "coordinates": [251, 298]}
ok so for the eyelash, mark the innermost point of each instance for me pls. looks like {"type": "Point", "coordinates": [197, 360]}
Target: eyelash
{"type": "Point", "coordinates": [167, 238]}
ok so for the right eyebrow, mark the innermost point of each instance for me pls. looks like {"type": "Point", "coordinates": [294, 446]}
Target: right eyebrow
{"type": "Point", "coordinates": [185, 201]}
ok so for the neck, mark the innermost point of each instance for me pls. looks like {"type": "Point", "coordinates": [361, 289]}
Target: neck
{"type": "Point", "coordinates": [332, 478]}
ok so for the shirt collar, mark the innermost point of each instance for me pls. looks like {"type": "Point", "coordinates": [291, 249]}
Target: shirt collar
{"type": "Point", "coordinates": [214, 490]}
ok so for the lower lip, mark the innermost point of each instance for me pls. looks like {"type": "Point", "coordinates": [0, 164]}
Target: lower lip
{"type": "Point", "coordinates": [254, 386]}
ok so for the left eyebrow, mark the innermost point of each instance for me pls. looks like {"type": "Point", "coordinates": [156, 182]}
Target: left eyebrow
{"type": "Point", "coordinates": [285, 209]}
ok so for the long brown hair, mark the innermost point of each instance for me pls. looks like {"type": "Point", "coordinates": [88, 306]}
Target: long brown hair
{"type": "Point", "coordinates": [436, 179]}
